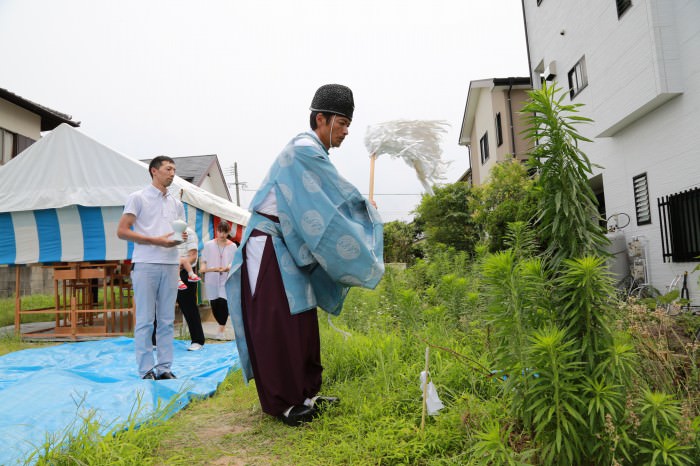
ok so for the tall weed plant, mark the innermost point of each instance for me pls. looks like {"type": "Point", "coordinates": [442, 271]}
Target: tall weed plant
{"type": "Point", "coordinates": [567, 214]}
{"type": "Point", "coordinates": [571, 375]}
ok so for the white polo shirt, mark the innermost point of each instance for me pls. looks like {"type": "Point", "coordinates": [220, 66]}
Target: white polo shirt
{"type": "Point", "coordinates": [155, 214]}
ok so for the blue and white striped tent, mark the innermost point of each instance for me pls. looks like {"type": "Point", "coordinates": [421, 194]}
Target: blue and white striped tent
{"type": "Point", "coordinates": [76, 234]}
{"type": "Point", "coordinates": [61, 200]}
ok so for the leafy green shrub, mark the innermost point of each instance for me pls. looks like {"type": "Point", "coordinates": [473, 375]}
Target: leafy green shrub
{"type": "Point", "coordinates": [445, 217]}
{"type": "Point", "coordinates": [508, 196]}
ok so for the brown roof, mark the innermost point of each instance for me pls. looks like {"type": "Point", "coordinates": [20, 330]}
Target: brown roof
{"type": "Point", "coordinates": [50, 119]}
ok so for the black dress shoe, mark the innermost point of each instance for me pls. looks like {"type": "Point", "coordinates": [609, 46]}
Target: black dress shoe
{"type": "Point", "coordinates": [149, 376]}
{"type": "Point", "coordinates": [166, 375]}
{"type": "Point", "coordinates": [297, 416]}
{"type": "Point", "coordinates": [322, 402]}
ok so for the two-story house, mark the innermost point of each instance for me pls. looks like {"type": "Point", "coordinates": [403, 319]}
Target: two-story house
{"type": "Point", "coordinates": [22, 122]}
{"type": "Point", "coordinates": [492, 125]}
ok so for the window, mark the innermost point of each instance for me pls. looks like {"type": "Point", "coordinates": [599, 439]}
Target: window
{"type": "Point", "coordinates": [622, 6]}
{"type": "Point", "coordinates": [484, 147]}
{"type": "Point", "coordinates": [7, 144]}
{"type": "Point", "coordinates": [21, 143]}
{"type": "Point", "coordinates": [679, 217]}
{"type": "Point", "coordinates": [641, 199]}
{"type": "Point", "coordinates": [578, 79]}
{"type": "Point", "coordinates": [12, 144]}
{"type": "Point", "coordinates": [499, 130]}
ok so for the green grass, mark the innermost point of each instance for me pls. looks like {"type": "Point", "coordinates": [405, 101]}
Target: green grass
{"type": "Point", "coordinates": [7, 309]}
{"type": "Point", "coordinates": [88, 442]}
{"type": "Point", "coordinates": [10, 343]}
{"type": "Point", "coordinates": [375, 372]}
{"type": "Point", "coordinates": [377, 422]}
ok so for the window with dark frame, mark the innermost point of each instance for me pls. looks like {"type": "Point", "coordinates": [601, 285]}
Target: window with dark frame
{"type": "Point", "coordinates": [12, 144]}
{"type": "Point", "coordinates": [679, 217]}
{"type": "Point", "coordinates": [499, 130]}
{"type": "Point", "coordinates": [578, 80]}
{"type": "Point", "coordinates": [641, 199]}
{"type": "Point", "coordinates": [622, 6]}
{"type": "Point", "coordinates": [484, 147]}
{"type": "Point", "coordinates": [21, 143]}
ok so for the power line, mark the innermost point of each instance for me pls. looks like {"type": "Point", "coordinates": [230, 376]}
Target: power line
{"type": "Point", "coordinates": [245, 188]}
{"type": "Point", "coordinates": [395, 194]}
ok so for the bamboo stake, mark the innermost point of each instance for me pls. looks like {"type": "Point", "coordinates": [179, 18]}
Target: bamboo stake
{"type": "Point", "coordinates": [372, 160]}
{"type": "Point", "coordinates": [425, 389]}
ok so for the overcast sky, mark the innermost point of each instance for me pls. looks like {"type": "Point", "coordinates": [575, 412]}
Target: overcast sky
{"type": "Point", "coordinates": [235, 79]}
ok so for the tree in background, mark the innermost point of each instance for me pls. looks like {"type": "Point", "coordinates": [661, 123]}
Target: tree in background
{"type": "Point", "coordinates": [445, 217]}
{"type": "Point", "coordinates": [509, 196]}
{"type": "Point", "coordinates": [400, 240]}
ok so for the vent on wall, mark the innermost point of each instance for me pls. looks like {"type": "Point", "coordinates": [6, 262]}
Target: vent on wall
{"type": "Point", "coordinates": [641, 199]}
{"type": "Point", "coordinates": [551, 71]}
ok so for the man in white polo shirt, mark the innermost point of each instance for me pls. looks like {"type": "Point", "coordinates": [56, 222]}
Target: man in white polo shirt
{"type": "Point", "coordinates": [156, 263]}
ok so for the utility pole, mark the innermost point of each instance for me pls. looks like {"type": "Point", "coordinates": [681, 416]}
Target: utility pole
{"type": "Point", "coordinates": [234, 171]}
{"type": "Point", "coordinates": [235, 181]}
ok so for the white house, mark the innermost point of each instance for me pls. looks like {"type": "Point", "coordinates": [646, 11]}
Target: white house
{"type": "Point", "coordinates": [492, 125]}
{"type": "Point", "coordinates": [635, 65]}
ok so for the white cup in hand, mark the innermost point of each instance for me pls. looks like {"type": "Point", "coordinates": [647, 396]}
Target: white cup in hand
{"type": "Point", "coordinates": [179, 227]}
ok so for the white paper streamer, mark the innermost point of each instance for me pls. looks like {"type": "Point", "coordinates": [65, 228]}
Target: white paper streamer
{"type": "Point", "coordinates": [417, 142]}
{"type": "Point", "coordinates": [433, 402]}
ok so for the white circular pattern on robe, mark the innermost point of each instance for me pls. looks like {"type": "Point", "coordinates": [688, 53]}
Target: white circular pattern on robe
{"type": "Point", "coordinates": [312, 222]}
{"type": "Point", "coordinates": [286, 158]}
{"type": "Point", "coordinates": [286, 192]}
{"type": "Point", "coordinates": [311, 181]}
{"type": "Point", "coordinates": [288, 264]}
{"type": "Point", "coordinates": [349, 280]}
{"type": "Point", "coordinates": [305, 254]}
{"type": "Point", "coordinates": [348, 248]}
{"type": "Point", "coordinates": [285, 223]}
{"type": "Point", "coordinates": [321, 261]}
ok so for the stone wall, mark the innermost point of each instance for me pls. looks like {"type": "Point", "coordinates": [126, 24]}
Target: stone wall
{"type": "Point", "coordinates": [34, 279]}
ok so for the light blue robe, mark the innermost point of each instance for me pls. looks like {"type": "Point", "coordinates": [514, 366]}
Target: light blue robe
{"type": "Point", "coordinates": [329, 237]}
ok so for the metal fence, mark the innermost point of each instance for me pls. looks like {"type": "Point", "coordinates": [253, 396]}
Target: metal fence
{"type": "Point", "coordinates": [679, 216]}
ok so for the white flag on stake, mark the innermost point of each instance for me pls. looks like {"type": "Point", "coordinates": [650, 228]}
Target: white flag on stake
{"type": "Point", "coordinates": [432, 400]}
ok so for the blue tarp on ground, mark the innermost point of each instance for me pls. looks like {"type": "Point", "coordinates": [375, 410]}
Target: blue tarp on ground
{"type": "Point", "coordinates": [43, 391]}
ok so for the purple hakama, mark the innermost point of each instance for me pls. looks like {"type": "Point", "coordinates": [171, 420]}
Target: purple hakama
{"type": "Point", "coordinates": [285, 349]}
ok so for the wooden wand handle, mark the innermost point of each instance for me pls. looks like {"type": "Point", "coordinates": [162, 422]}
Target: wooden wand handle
{"type": "Point", "coordinates": [372, 159]}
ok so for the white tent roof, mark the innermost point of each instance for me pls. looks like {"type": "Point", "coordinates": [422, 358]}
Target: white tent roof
{"type": "Point", "coordinates": [66, 167]}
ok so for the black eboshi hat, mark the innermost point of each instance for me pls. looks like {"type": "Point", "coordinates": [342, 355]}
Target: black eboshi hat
{"type": "Point", "coordinates": [333, 98]}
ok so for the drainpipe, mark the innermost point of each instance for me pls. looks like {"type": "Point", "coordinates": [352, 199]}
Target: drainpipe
{"type": "Point", "coordinates": [510, 116]}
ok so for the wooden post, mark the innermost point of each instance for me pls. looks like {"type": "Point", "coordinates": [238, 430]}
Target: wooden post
{"type": "Point", "coordinates": [73, 318]}
{"type": "Point", "coordinates": [372, 160]}
{"type": "Point", "coordinates": [18, 300]}
{"type": "Point", "coordinates": [425, 389]}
